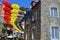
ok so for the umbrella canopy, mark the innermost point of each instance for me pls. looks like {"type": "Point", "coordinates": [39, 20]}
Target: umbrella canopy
{"type": "Point", "coordinates": [15, 6]}
{"type": "Point", "coordinates": [14, 11]}
{"type": "Point", "coordinates": [7, 17]}
{"type": "Point", "coordinates": [7, 9]}
{"type": "Point", "coordinates": [7, 4]}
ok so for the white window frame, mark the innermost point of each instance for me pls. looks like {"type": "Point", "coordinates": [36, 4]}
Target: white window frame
{"type": "Point", "coordinates": [52, 13]}
{"type": "Point", "coordinates": [51, 32]}
{"type": "Point", "coordinates": [57, 11]}
{"type": "Point", "coordinates": [54, 32]}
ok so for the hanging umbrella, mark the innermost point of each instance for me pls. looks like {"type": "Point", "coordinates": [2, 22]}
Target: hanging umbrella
{"type": "Point", "coordinates": [7, 9]}
{"type": "Point", "coordinates": [15, 6]}
{"type": "Point", "coordinates": [7, 4]}
{"type": "Point", "coordinates": [14, 11]}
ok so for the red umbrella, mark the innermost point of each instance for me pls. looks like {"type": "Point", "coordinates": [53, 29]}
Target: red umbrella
{"type": "Point", "coordinates": [6, 14]}
{"type": "Point", "coordinates": [6, 3]}
{"type": "Point", "coordinates": [7, 17]}
{"type": "Point", "coordinates": [7, 9]}
{"type": "Point", "coordinates": [7, 20]}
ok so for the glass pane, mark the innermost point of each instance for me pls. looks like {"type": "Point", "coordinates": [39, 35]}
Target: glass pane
{"type": "Point", "coordinates": [55, 32]}
{"type": "Point", "coordinates": [35, 16]}
{"type": "Point", "coordinates": [32, 18]}
{"type": "Point", "coordinates": [52, 32]}
{"type": "Point", "coordinates": [54, 12]}
{"type": "Point", "coordinates": [27, 22]}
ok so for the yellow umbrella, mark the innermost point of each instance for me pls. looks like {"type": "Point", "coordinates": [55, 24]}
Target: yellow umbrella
{"type": "Point", "coordinates": [14, 11]}
{"type": "Point", "coordinates": [15, 27]}
{"type": "Point", "coordinates": [13, 15]}
{"type": "Point", "coordinates": [15, 6]}
{"type": "Point", "coordinates": [12, 20]}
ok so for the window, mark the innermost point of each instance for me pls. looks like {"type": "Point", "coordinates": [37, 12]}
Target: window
{"type": "Point", "coordinates": [54, 32]}
{"type": "Point", "coordinates": [33, 31]}
{"type": "Point", "coordinates": [34, 17]}
{"type": "Point", "coordinates": [54, 12]}
{"type": "Point", "coordinates": [32, 35]}
{"type": "Point", "coordinates": [27, 22]}
{"type": "Point", "coordinates": [26, 36]}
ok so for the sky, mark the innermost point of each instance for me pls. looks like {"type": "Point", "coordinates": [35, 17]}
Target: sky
{"type": "Point", "coordinates": [22, 3]}
{"type": "Point", "coordinates": [0, 1]}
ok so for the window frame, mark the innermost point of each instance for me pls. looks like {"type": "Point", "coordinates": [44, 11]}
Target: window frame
{"type": "Point", "coordinates": [34, 16]}
{"type": "Point", "coordinates": [55, 31]}
{"type": "Point", "coordinates": [57, 12]}
{"type": "Point", "coordinates": [53, 14]}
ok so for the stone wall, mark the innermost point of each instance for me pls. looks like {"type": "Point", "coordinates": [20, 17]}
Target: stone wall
{"type": "Point", "coordinates": [46, 20]}
{"type": "Point", "coordinates": [36, 25]}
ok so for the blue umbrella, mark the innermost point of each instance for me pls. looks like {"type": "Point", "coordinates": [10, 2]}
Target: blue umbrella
{"type": "Point", "coordinates": [25, 17]}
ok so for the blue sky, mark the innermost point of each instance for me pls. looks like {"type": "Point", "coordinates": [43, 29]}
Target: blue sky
{"type": "Point", "coordinates": [22, 3]}
{"type": "Point", "coordinates": [0, 1]}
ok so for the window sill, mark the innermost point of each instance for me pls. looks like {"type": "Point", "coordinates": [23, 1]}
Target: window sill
{"type": "Point", "coordinates": [54, 17]}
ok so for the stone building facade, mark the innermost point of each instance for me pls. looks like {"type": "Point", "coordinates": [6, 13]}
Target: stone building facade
{"type": "Point", "coordinates": [47, 25]}
{"type": "Point", "coordinates": [50, 20]}
{"type": "Point", "coordinates": [33, 24]}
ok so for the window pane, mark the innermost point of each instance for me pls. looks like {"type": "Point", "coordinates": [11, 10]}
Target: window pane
{"type": "Point", "coordinates": [27, 22]}
{"type": "Point", "coordinates": [52, 32]}
{"type": "Point", "coordinates": [55, 32]}
{"type": "Point", "coordinates": [53, 12]}
{"type": "Point", "coordinates": [33, 18]}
